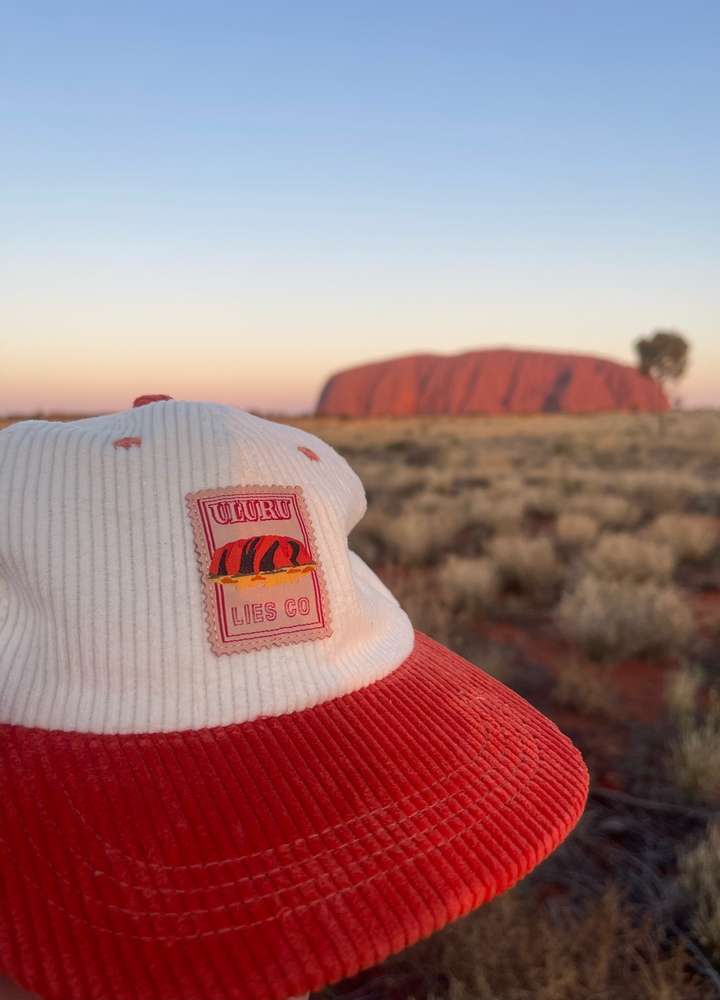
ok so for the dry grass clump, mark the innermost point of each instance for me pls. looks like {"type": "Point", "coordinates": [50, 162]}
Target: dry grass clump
{"type": "Point", "coordinates": [688, 536]}
{"type": "Point", "coordinates": [699, 872]}
{"type": "Point", "coordinates": [502, 512]}
{"type": "Point", "coordinates": [659, 490]}
{"type": "Point", "coordinates": [693, 756]}
{"type": "Point", "coordinates": [544, 502]}
{"type": "Point", "coordinates": [574, 531]}
{"type": "Point", "coordinates": [583, 686]}
{"type": "Point", "coordinates": [468, 585]}
{"type": "Point", "coordinates": [426, 524]}
{"type": "Point", "coordinates": [613, 619]}
{"type": "Point", "coordinates": [510, 949]}
{"type": "Point", "coordinates": [418, 595]}
{"type": "Point", "coordinates": [622, 556]}
{"type": "Point", "coordinates": [495, 659]}
{"type": "Point", "coordinates": [681, 691]}
{"type": "Point", "coordinates": [608, 511]}
{"type": "Point", "coordinates": [526, 563]}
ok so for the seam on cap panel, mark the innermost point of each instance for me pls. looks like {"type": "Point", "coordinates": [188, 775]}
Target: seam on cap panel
{"type": "Point", "coordinates": [184, 684]}
{"type": "Point", "coordinates": [172, 779]}
{"type": "Point", "coordinates": [31, 941]}
{"type": "Point", "coordinates": [43, 855]}
{"type": "Point", "coordinates": [304, 906]}
{"type": "Point", "coordinates": [258, 897]}
{"type": "Point", "coordinates": [229, 834]}
{"type": "Point", "coordinates": [23, 680]}
{"type": "Point", "coordinates": [476, 801]}
{"type": "Point", "coordinates": [327, 799]}
{"type": "Point", "coordinates": [101, 900]}
{"type": "Point", "coordinates": [373, 721]}
{"type": "Point", "coordinates": [112, 622]}
{"type": "Point", "coordinates": [117, 941]}
{"type": "Point", "coordinates": [138, 862]}
{"type": "Point", "coordinates": [141, 797]}
{"type": "Point", "coordinates": [44, 640]}
{"type": "Point", "coordinates": [137, 586]}
{"type": "Point", "coordinates": [75, 663]}
{"type": "Point", "coordinates": [393, 804]}
{"type": "Point", "coordinates": [94, 646]}
{"type": "Point", "coordinates": [398, 891]}
{"type": "Point", "coordinates": [11, 682]}
{"type": "Point", "coordinates": [239, 881]}
{"type": "Point", "coordinates": [211, 447]}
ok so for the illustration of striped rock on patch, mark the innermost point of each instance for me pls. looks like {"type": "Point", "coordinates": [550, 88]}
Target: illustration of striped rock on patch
{"type": "Point", "coordinates": [265, 560]}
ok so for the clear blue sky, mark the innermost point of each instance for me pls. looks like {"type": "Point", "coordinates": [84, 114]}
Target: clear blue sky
{"type": "Point", "coordinates": [231, 200]}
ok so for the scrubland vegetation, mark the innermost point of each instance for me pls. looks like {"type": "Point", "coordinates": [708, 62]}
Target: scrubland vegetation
{"type": "Point", "coordinates": [577, 559]}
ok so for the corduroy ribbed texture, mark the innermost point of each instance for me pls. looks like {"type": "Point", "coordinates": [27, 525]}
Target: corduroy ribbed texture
{"type": "Point", "coordinates": [264, 859]}
{"type": "Point", "coordinates": [102, 620]}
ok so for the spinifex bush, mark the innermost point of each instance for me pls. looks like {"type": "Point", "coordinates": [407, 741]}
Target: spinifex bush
{"type": "Point", "coordinates": [624, 557]}
{"type": "Point", "coordinates": [608, 511]}
{"type": "Point", "coordinates": [510, 949]}
{"type": "Point", "coordinates": [426, 524]}
{"type": "Point", "coordinates": [417, 592]}
{"type": "Point", "coordinates": [468, 585]}
{"type": "Point", "coordinates": [527, 563]}
{"type": "Point", "coordinates": [612, 619]}
{"type": "Point", "coordinates": [693, 757]}
{"type": "Point", "coordinates": [699, 871]}
{"type": "Point", "coordinates": [658, 490]}
{"type": "Point", "coordinates": [500, 511]}
{"type": "Point", "coordinates": [687, 536]}
{"type": "Point", "coordinates": [542, 502]}
{"type": "Point", "coordinates": [681, 691]}
{"type": "Point", "coordinates": [576, 530]}
{"type": "Point", "coordinates": [583, 686]}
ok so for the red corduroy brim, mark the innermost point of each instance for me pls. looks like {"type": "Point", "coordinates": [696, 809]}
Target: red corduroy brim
{"type": "Point", "coordinates": [264, 859]}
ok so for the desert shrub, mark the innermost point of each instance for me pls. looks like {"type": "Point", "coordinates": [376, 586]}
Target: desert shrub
{"type": "Point", "coordinates": [468, 585]}
{"type": "Point", "coordinates": [576, 530]}
{"type": "Point", "coordinates": [693, 756]}
{"type": "Point", "coordinates": [510, 949]}
{"type": "Point", "coordinates": [367, 538]}
{"type": "Point", "coordinates": [699, 872]}
{"type": "Point", "coordinates": [496, 659]}
{"type": "Point", "coordinates": [502, 512]}
{"type": "Point", "coordinates": [527, 563]}
{"type": "Point", "coordinates": [681, 691]}
{"type": "Point", "coordinates": [424, 528]}
{"type": "Point", "coordinates": [624, 557]}
{"type": "Point", "coordinates": [613, 619]}
{"type": "Point", "coordinates": [583, 686]}
{"type": "Point", "coordinates": [543, 502]}
{"type": "Point", "coordinates": [608, 511]}
{"type": "Point", "coordinates": [427, 523]}
{"type": "Point", "coordinates": [417, 592]}
{"type": "Point", "coordinates": [688, 536]}
{"type": "Point", "coordinates": [657, 491]}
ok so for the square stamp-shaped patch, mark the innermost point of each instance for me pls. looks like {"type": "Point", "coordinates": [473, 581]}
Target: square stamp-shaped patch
{"type": "Point", "coordinates": [263, 582]}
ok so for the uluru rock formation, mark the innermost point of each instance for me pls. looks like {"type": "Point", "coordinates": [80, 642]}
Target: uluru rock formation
{"type": "Point", "coordinates": [494, 381]}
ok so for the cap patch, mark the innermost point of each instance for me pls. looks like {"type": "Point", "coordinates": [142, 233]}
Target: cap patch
{"type": "Point", "coordinates": [263, 582]}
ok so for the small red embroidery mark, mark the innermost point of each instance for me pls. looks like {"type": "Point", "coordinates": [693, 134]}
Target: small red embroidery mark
{"type": "Point", "coordinates": [144, 400]}
{"type": "Point", "coordinates": [127, 443]}
{"type": "Point", "coordinates": [310, 454]}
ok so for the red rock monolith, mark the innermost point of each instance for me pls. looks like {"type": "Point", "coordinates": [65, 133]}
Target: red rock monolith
{"type": "Point", "coordinates": [494, 381]}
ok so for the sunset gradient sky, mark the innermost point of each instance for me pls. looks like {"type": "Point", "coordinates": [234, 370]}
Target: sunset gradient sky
{"type": "Point", "coordinates": [232, 200]}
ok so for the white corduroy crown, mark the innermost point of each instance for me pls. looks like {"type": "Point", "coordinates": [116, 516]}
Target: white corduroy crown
{"type": "Point", "coordinates": [118, 622]}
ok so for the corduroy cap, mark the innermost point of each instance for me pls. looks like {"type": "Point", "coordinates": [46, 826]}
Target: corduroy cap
{"type": "Point", "coordinates": [230, 767]}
